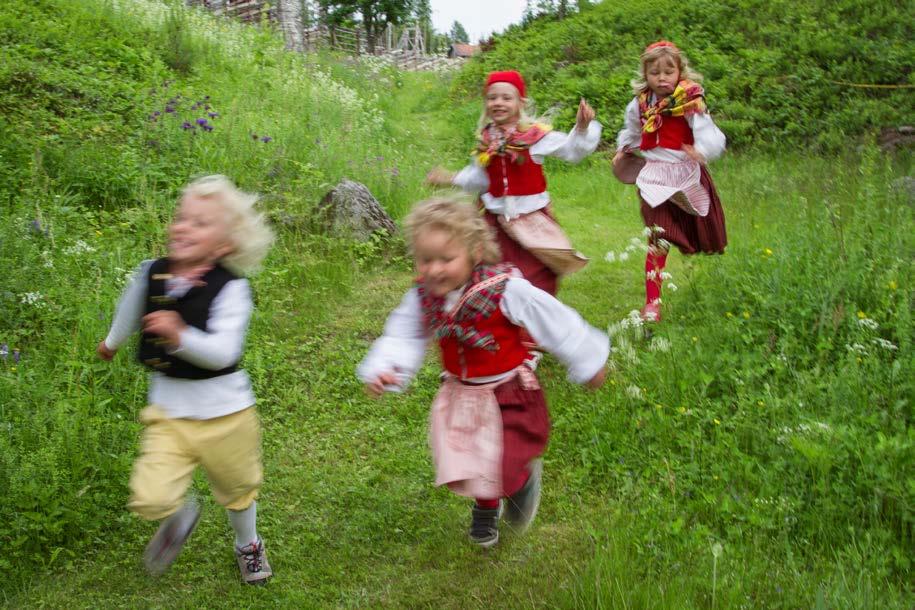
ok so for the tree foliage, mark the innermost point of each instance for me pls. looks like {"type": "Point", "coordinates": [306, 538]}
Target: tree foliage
{"type": "Point", "coordinates": [776, 71]}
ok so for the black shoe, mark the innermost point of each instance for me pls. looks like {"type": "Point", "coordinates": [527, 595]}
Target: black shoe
{"type": "Point", "coordinates": [484, 528]}
{"type": "Point", "coordinates": [521, 508]}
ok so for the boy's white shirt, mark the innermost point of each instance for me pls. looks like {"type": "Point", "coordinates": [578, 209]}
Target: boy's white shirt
{"type": "Point", "coordinates": [216, 348]}
{"type": "Point", "coordinates": [708, 140]}
{"type": "Point", "coordinates": [572, 147]}
{"type": "Point", "coordinates": [556, 327]}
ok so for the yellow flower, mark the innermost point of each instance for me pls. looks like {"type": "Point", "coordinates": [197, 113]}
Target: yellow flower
{"type": "Point", "coordinates": [682, 410]}
{"type": "Point", "coordinates": [97, 232]}
{"type": "Point", "coordinates": [717, 422]}
{"type": "Point", "coordinates": [861, 315]}
{"type": "Point", "coordinates": [760, 403]}
{"type": "Point", "coordinates": [484, 158]}
{"type": "Point", "coordinates": [891, 285]}
{"type": "Point", "coordinates": [746, 315]}
{"type": "Point", "coordinates": [729, 314]}
{"type": "Point", "coordinates": [767, 251]}
{"type": "Point", "coordinates": [695, 339]}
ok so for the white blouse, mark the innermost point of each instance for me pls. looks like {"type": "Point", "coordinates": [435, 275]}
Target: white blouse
{"type": "Point", "coordinates": [707, 138]}
{"type": "Point", "coordinates": [216, 348]}
{"type": "Point", "coordinates": [572, 147]}
{"type": "Point", "coordinates": [555, 327]}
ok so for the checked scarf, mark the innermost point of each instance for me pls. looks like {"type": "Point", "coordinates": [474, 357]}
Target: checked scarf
{"type": "Point", "coordinates": [493, 142]}
{"type": "Point", "coordinates": [478, 303]}
{"type": "Point", "coordinates": [688, 98]}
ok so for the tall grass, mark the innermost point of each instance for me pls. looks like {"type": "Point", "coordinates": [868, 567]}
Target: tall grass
{"type": "Point", "coordinates": [769, 414]}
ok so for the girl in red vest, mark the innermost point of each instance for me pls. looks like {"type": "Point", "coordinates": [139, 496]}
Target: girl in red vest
{"type": "Point", "coordinates": [668, 122]}
{"type": "Point", "coordinates": [489, 421]}
{"type": "Point", "coordinates": [507, 174]}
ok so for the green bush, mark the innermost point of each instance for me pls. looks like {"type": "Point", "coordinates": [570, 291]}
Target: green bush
{"type": "Point", "coordinates": [773, 69]}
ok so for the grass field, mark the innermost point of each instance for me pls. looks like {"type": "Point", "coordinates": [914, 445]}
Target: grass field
{"type": "Point", "coordinates": [756, 452]}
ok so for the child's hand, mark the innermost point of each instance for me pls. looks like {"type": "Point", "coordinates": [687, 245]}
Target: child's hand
{"type": "Point", "coordinates": [694, 154]}
{"type": "Point", "coordinates": [439, 176]}
{"type": "Point", "coordinates": [167, 324]}
{"type": "Point", "coordinates": [584, 117]}
{"type": "Point", "coordinates": [103, 352]}
{"type": "Point", "coordinates": [598, 379]}
{"type": "Point", "coordinates": [377, 388]}
{"type": "Point", "coordinates": [619, 155]}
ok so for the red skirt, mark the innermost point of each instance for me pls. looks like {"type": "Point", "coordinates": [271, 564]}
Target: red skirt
{"type": "Point", "coordinates": [525, 431]}
{"type": "Point", "coordinates": [533, 270]}
{"type": "Point", "coordinates": [691, 234]}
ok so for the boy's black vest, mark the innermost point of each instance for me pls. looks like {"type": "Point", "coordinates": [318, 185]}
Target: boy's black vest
{"type": "Point", "coordinates": [194, 308]}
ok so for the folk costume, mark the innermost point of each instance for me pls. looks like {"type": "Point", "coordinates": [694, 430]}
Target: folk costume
{"type": "Point", "coordinates": [489, 419]}
{"type": "Point", "coordinates": [507, 174]}
{"type": "Point", "coordinates": [679, 202]}
{"type": "Point", "coordinates": [200, 403]}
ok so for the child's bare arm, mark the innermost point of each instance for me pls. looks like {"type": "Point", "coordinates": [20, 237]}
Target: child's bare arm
{"type": "Point", "coordinates": [439, 176]}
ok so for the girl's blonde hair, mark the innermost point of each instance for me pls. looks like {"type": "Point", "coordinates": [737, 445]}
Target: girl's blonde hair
{"type": "Point", "coordinates": [653, 54]}
{"type": "Point", "coordinates": [249, 233]}
{"type": "Point", "coordinates": [528, 117]}
{"type": "Point", "coordinates": [460, 219]}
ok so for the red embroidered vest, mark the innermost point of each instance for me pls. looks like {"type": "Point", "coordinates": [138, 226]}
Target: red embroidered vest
{"type": "Point", "coordinates": [673, 133]}
{"type": "Point", "coordinates": [523, 175]}
{"type": "Point", "coordinates": [476, 339]}
{"type": "Point", "coordinates": [465, 362]}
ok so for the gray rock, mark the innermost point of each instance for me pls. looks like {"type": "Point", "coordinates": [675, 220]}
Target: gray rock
{"type": "Point", "coordinates": [351, 209]}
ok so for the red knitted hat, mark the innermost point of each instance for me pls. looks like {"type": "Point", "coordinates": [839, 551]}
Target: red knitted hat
{"type": "Point", "coordinates": [508, 76]}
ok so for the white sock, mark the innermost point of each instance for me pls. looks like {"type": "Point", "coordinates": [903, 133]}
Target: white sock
{"type": "Point", "coordinates": [244, 522]}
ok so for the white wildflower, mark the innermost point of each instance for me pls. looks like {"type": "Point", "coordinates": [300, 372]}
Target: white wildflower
{"type": "Point", "coordinates": [647, 231]}
{"type": "Point", "coordinates": [868, 323]}
{"type": "Point", "coordinates": [624, 256]}
{"type": "Point", "coordinates": [665, 276]}
{"type": "Point", "coordinates": [856, 348]}
{"type": "Point", "coordinates": [672, 287]}
{"type": "Point", "coordinates": [887, 345]}
{"type": "Point", "coordinates": [652, 275]}
{"type": "Point", "coordinates": [32, 298]}
{"type": "Point", "coordinates": [664, 244]}
{"type": "Point", "coordinates": [659, 344]}
{"type": "Point", "coordinates": [610, 257]}
{"type": "Point", "coordinates": [79, 247]}
{"type": "Point", "coordinates": [634, 391]}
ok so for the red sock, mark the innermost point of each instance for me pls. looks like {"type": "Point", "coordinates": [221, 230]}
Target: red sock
{"type": "Point", "coordinates": [488, 503]}
{"type": "Point", "coordinates": [654, 265]}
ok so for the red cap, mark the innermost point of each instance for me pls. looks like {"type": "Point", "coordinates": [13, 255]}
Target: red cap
{"type": "Point", "coordinates": [509, 76]}
{"type": "Point", "coordinates": [661, 43]}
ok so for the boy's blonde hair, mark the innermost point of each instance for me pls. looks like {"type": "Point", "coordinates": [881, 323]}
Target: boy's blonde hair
{"type": "Point", "coordinates": [460, 219]}
{"type": "Point", "coordinates": [249, 233]}
{"type": "Point", "coordinates": [651, 55]}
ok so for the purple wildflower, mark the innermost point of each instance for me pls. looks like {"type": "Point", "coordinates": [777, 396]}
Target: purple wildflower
{"type": "Point", "coordinates": [201, 122]}
{"type": "Point", "coordinates": [16, 356]}
{"type": "Point", "coordinates": [170, 109]}
{"type": "Point", "coordinates": [36, 227]}
{"type": "Point", "coordinates": [395, 172]}
{"type": "Point", "coordinates": [187, 125]}
{"type": "Point", "coordinates": [207, 127]}
{"type": "Point", "coordinates": [266, 139]}
{"type": "Point", "coordinates": [195, 106]}
{"type": "Point", "coordinates": [213, 115]}
{"type": "Point", "coordinates": [4, 350]}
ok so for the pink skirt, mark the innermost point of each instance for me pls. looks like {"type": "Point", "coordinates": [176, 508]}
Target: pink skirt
{"type": "Point", "coordinates": [483, 437]}
{"type": "Point", "coordinates": [690, 233]}
{"type": "Point", "coordinates": [532, 268]}
{"type": "Point", "coordinates": [680, 183]}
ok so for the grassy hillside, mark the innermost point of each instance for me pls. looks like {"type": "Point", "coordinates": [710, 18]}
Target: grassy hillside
{"type": "Point", "coordinates": [757, 451]}
{"type": "Point", "coordinates": [774, 70]}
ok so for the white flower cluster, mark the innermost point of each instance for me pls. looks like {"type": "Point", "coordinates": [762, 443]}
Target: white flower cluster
{"type": "Point", "coordinates": [816, 428]}
{"type": "Point", "coordinates": [868, 324]}
{"type": "Point", "coordinates": [32, 298]}
{"type": "Point", "coordinates": [79, 247]}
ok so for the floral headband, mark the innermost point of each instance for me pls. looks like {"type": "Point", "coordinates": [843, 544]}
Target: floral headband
{"type": "Point", "coordinates": [661, 43]}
